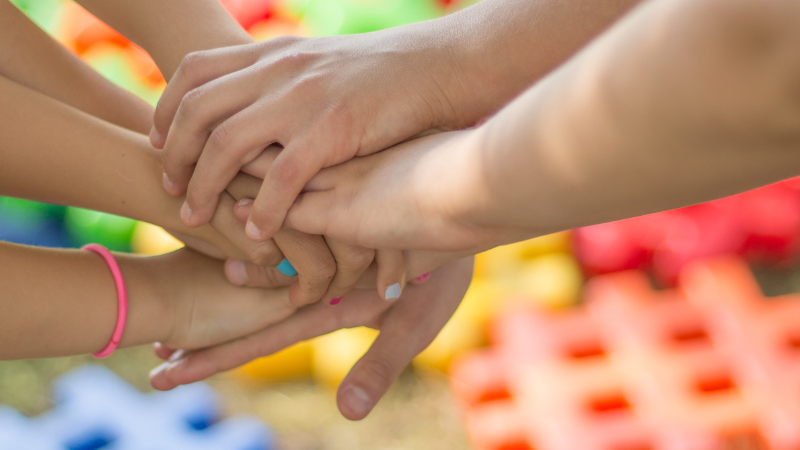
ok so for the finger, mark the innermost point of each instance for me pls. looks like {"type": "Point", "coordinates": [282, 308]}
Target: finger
{"type": "Point", "coordinates": [312, 213]}
{"type": "Point", "coordinates": [287, 175]}
{"type": "Point", "coordinates": [242, 273]}
{"type": "Point", "coordinates": [313, 261]}
{"type": "Point", "coordinates": [162, 351]}
{"type": "Point", "coordinates": [199, 116]}
{"type": "Point", "coordinates": [225, 222]}
{"type": "Point", "coordinates": [196, 69]}
{"type": "Point", "coordinates": [259, 166]}
{"type": "Point", "coordinates": [235, 142]}
{"type": "Point", "coordinates": [242, 209]}
{"type": "Point", "coordinates": [420, 279]}
{"type": "Point", "coordinates": [391, 273]}
{"type": "Point", "coordinates": [407, 329]}
{"type": "Point", "coordinates": [308, 322]}
{"type": "Point", "coordinates": [351, 262]}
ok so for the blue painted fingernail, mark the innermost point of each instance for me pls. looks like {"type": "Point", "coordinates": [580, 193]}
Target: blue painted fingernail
{"type": "Point", "coordinates": [286, 268]}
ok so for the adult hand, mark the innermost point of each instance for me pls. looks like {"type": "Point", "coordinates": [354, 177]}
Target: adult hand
{"type": "Point", "coordinates": [325, 100]}
{"type": "Point", "coordinates": [406, 327]}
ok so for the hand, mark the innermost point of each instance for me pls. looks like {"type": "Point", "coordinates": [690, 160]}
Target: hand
{"type": "Point", "coordinates": [325, 100]}
{"type": "Point", "coordinates": [326, 269]}
{"type": "Point", "coordinates": [410, 196]}
{"type": "Point", "coordinates": [406, 328]}
{"type": "Point", "coordinates": [204, 308]}
{"type": "Point", "coordinates": [313, 255]}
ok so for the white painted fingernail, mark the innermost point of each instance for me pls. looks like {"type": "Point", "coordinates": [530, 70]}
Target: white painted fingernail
{"type": "Point", "coordinates": [176, 356]}
{"type": "Point", "coordinates": [157, 371]}
{"type": "Point", "coordinates": [392, 292]}
{"type": "Point", "coordinates": [245, 201]}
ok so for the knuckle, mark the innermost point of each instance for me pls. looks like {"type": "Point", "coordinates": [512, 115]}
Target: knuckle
{"type": "Point", "coordinates": [322, 271]}
{"type": "Point", "coordinates": [261, 255]}
{"type": "Point", "coordinates": [286, 170]}
{"type": "Point", "coordinates": [222, 137]}
{"type": "Point", "coordinates": [296, 60]}
{"type": "Point", "coordinates": [378, 368]}
{"type": "Point", "coordinates": [357, 259]}
{"type": "Point", "coordinates": [192, 60]}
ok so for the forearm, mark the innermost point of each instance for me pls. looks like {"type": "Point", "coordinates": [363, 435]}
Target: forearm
{"type": "Point", "coordinates": [170, 30]}
{"type": "Point", "coordinates": [643, 121]}
{"type": "Point", "coordinates": [496, 48]}
{"type": "Point", "coordinates": [54, 153]}
{"type": "Point", "coordinates": [30, 57]}
{"type": "Point", "coordinates": [64, 302]}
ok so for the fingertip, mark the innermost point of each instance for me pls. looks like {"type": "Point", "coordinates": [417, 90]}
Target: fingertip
{"type": "Point", "coordinates": [162, 351]}
{"type": "Point", "coordinates": [242, 209]}
{"type": "Point", "coordinates": [159, 379]}
{"type": "Point", "coordinates": [235, 271]}
{"type": "Point", "coordinates": [354, 402]}
{"type": "Point", "coordinates": [169, 186]}
{"type": "Point", "coordinates": [157, 139]}
{"type": "Point", "coordinates": [420, 279]}
{"type": "Point", "coordinates": [253, 231]}
{"type": "Point", "coordinates": [392, 292]}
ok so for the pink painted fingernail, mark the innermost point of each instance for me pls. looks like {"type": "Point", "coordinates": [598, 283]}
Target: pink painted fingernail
{"type": "Point", "coordinates": [423, 277]}
{"type": "Point", "coordinates": [336, 300]}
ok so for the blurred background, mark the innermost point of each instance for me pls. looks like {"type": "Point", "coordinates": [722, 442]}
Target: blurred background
{"type": "Point", "coordinates": [293, 391]}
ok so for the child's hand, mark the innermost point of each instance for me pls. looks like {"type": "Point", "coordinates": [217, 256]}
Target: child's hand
{"type": "Point", "coordinates": [325, 265]}
{"type": "Point", "coordinates": [205, 309]}
{"type": "Point", "coordinates": [407, 327]}
{"type": "Point", "coordinates": [325, 100]}
{"type": "Point", "coordinates": [412, 196]}
{"type": "Point", "coordinates": [326, 269]}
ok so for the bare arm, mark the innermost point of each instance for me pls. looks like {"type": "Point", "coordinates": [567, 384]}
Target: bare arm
{"type": "Point", "coordinates": [170, 30]}
{"type": "Point", "coordinates": [681, 102]}
{"type": "Point", "coordinates": [30, 57]}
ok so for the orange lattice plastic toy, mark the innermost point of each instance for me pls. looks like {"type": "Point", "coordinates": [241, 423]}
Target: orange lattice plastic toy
{"type": "Point", "coordinates": [711, 365]}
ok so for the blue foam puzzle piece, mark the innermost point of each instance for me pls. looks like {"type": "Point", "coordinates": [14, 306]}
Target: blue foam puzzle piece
{"type": "Point", "coordinates": [98, 410]}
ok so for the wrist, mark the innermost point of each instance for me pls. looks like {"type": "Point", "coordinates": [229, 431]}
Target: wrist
{"type": "Point", "coordinates": [150, 305]}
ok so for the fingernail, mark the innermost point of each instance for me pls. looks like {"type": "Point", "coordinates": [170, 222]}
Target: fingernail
{"type": "Point", "coordinates": [423, 277]}
{"type": "Point", "coordinates": [186, 213]}
{"type": "Point", "coordinates": [175, 356]}
{"type": "Point", "coordinates": [286, 268]}
{"type": "Point", "coordinates": [253, 232]}
{"type": "Point", "coordinates": [168, 184]}
{"type": "Point", "coordinates": [392, 292]}
{"type": "Point", "coordinates": [245, 201]}
{"type": "Point", "coordinates": [357, 400]}
{"type": "Point", "coordinates": [155, 136]}
{"type": "Point", "coordinates": [236, 273]}
{"type": "Point", "coordinates": [158, 370]}
{"type": "Point", "coordinates": [336, 300]}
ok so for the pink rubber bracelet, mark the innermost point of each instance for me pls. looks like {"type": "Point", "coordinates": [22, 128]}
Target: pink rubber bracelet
{"type": "Point", "coordinates": [122, 297]}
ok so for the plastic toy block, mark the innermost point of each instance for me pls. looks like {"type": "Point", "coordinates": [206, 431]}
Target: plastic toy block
{"type": "Point", "coordinates": [96, 409]}
{"type": "Point", "coordinates": [763, 225]}
{"type": "Point", "coordinates": [711, 365]}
